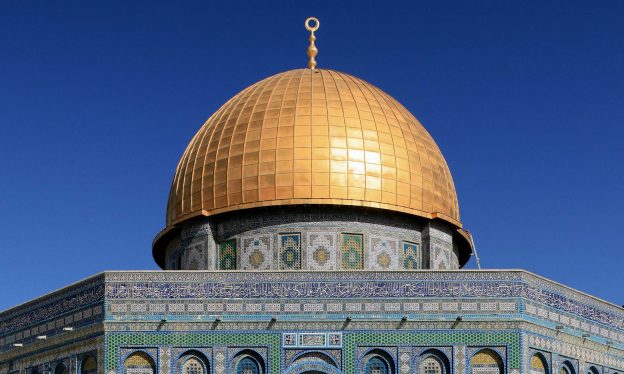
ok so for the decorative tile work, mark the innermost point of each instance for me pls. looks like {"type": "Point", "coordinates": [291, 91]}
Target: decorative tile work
{"type": "Point", "coordinates": [289, 340]}
{"type": "Point", "coordinates": [440, 258]}
{"type": "Point", "coordinates": [410, 256]}
{"type": "Point", "coordinates": [352, 251]}
{"type": "Point", "coordinates": [322, 251]}
{"type": "Point", "coordinates": [174, 252]}
{"type": "Point", "coordinates": [334, 339]}
{"type": "Point", "coordinates": [227, 255]}
{"type": "Point", "coordinates": [404, 360]}
{"type": "Point", "coordinates": [297, 356]}
{"type": "Point", "coordinates": [290, 251]}
{"type": "Point", "coordinates": [233, 354]}
{"type": "Point", "coordinates": [454, 259]}
{"type": "Point", "coordinates": [164, 358]}
{"type": "Point", "coordinates": [391, 229]}
{"type": "Point", "coordinates": [459, 359]}
{"type": "Point", "coordinates": [256, 253]}
{"type": "Point", "coordinates": [458, 284]}
{"type": "Point", "coordinates": [59, 303]}
{"type": "Point", "coordinates": [365, 353]}
{"type": "Point", "coordinates": [539, 362]}
{"type": "Point", "coordinates": [115, 341]}
{"type": "Point", "coordinates": [583, 354]}
{"type": "Point", "coordinates": [382, 254]}
{"type": "Point", "coordinates": [312, 340]}
{"type": "Point", "coordinates": [219, 362]}
{"type": "Point", "coordinates": [432, 339]}
{"type": "Point", "coordinates": [69, 354]}
{"type": "Point", "coordinates": [195, 256]}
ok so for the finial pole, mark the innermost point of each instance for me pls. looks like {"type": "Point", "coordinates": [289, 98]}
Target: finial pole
{"type": "Point", "coordinates": [312, 51]}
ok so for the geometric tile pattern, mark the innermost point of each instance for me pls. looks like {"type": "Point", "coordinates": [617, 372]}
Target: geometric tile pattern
{"type": "Point", "coordinates": [431, 338]}
{"type": "Point", "coordinates": [440, 258]}
{"type": "Point", "coordinates": [296, 356]}
{"type": "Point", "coordinates": [404, 360]}
{"type": "Point", "coordinates": [352, 251]}
{"type": "Point", "coordinates": [314, 339]}
{"type": "Point", "coordinates": [195, 255]}
{"type": "Point", "coordinates": [290, 251]}
{"type": "Point", "coordinates": [322, 252]}
{"type": "Point", "coordinates": [187, 297]}
{"type": "Point", "coordinates": [227, 255]}
{"type": "Point", "coordinates": [219, 361]}
{"type": "Point", "coordinates": [199, 237]}
{"type": "Point", "coordinates": [382, 254]}
{"type": "Point", "coordinates": [410, 256]}
{"type": "Point", "coordinates": [115, 341]}
{"type": "Point", "coordinates": [486, 361]}
{"type": "Point", "coordinates": [459, 359]}
{"type": "Point", "coordinates": [164, 357]}
{"type": "Point", "coordinates": [256, 253]}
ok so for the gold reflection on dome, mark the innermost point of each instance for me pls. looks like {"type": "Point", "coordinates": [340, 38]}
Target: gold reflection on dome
{"type": "Point", "coordinates": [312, 136]}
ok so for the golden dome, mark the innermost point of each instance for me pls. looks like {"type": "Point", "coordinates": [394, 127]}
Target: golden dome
{"type": "Point", "coordinates": [312, 136]}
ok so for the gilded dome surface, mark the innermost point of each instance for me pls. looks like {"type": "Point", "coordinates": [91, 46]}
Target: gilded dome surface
{"type": "Point", "coordinates": [312, 136]}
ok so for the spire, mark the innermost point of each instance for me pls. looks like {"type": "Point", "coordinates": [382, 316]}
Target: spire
{"type": "Point", "coordinates": [312, 51]}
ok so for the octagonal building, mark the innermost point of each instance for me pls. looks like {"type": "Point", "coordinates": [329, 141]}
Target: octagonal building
{"type": "Point", "coordinates": [313, 227]}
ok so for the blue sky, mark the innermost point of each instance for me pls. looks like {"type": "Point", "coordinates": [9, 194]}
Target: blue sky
{"type": "Point", "coordinates": [98, 101]}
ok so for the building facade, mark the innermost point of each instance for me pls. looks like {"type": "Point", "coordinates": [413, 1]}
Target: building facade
{"type": "Point", "coordinates": [313, 227]}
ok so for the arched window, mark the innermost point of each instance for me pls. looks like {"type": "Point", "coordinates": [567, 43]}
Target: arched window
{"type": "Point", "coordinates": [538, 364]}
{"type": "Point", "coordinates": [247, 365]}
{"type": "Point", "coordinates": [192, 362]}
{"type": "Point", "coordinates": [433, 361]}
{"type": "Point", "coordinates": [377, 361]}
{"type": "Point", "coordinates": [567, 368]}
{"type": "Point", "coordinates": [314, 357]}
{"type": "Point", "coordinates": [376, 365]}
{"type": "Point", "coordinates": [486, 361]}
{"type": "Point", "coordinates": [593, 370]}
{"type": "Point", "coordinates": [193, 366]}
{"type": "Point", "coordinates": [60, 369]}
{"type": "Point", "coordinates": [88, 365]}
{"type": "Point", "coordinates": [139, 363]}
{"type": "Point", "coordinates": [431, 365]}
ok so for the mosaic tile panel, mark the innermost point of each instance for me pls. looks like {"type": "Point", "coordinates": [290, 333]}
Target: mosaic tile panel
{"type": "Point", "coordinates": [164, 359]}
{"type": "Point", "coordinates": [454, 259]}
{"type": "Point", "coordinates": [289, 251]}
{"type": "Point", "coordinates": [583, 354]}
{"type": "Point", "coordinates": [440, 258]}
{"type": "Point", "coordinates": [459, 359]}
{"type": "Point", "coordinates": [312, 339]}
{"type": "Point", "coordinates": [322, 251]}
{"type": "Point", "coordinates": [382, 254]}
{"type": "Point", "coordinates": [195, 256]}
{"type": "Point", "coordinates": [256, 253]}
{"type": "Point", "coordinates": [219, 362]}
{"type": "Point", "coordinates": [294, 357]}
{"type": "Point", "coordinates": [404, 360]}
{"type": "Point", "coordinates": [227, 255]}
{"type": "Point", "coordinates": [445, 338]}
{"type": "Point", "coordinates": [352, 251]}
{"type": "Point", "coordinates": [410, 256]}
{"type": "Point", "coordinates": [579, 308]}
{"type": "Point", "coordinates": [115, 341]}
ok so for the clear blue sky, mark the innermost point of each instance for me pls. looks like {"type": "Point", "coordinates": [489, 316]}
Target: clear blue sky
{"type": "Point", "coordinates": [98, 101]}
